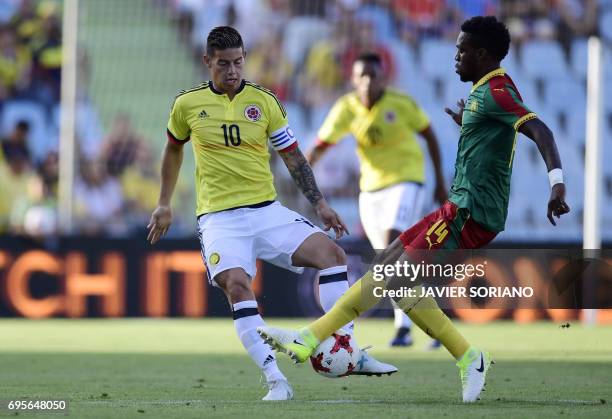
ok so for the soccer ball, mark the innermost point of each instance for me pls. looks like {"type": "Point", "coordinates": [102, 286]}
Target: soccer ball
{"type": "Point", "coordinates": [336, 356]}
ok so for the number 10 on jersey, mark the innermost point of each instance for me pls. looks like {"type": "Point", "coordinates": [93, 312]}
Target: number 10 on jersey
{"type": "Point", "coordinates": [231, 134]}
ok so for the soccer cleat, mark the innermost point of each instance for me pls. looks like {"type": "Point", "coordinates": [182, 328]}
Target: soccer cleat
{"type": "Point", "coordinates": [368, 365]}
{"type": "Point", "coordinates": [402, 338]}
{"type": "Point", "coordinates": [298, 344]}
{"type": "Point", "coordinates": [473, 368]}
{"type": "Point", "coordinates": [278, 390]}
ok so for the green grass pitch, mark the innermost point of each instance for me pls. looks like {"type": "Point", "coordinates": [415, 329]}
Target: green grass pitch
{"type": "Point", "coordinates": [152, 368]}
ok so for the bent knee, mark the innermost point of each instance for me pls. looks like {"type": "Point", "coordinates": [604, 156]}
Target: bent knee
{"type": "Point", "coordinates": [236, 285]}
{"type": "Point", "coordinates": [331, 256]}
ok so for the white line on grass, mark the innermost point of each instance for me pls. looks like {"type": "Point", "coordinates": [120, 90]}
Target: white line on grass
{"type": "Point", "coordinates": [339, 401]}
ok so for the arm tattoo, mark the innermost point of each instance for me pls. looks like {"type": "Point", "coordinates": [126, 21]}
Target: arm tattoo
{"type": "Point", "coordinates": [302, 175]}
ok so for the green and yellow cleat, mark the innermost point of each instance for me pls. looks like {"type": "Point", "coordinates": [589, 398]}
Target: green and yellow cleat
{"type": "Point", "coordinates": [473, 368]}
{"type": "Point", "coordinates": [298, 344]}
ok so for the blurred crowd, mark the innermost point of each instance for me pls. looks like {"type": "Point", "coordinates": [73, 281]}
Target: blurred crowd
{"type": "Point", "coordinates": [307, 48]}
{"type": "Point", "coordinates": [300, 49]}
{"type": "Point", "coordinates": [305, 53]}
{"type": "Point", "coordinates": [116, 179]}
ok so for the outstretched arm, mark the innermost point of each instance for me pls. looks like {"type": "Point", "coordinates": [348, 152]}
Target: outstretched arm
{"type": "Point", "coordinates": [162, 216]}
{"type": "Point", "coordinates": [315, 153]}
{"type": "Point", "coordinates": [440, 193]}
{"type": "Point", "coordinates": [537, 131]}
{"type": "Point", "coordinates": [302, 174]}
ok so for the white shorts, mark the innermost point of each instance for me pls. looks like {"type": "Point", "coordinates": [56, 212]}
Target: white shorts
{"type": "Point", "coordinates": [397, 207]}
{"type": "Point", "coordinates": [236, 238]}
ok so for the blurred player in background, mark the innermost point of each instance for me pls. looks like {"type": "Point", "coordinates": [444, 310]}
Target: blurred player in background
{"type": "Point", "coordinates": [384, 122]}
{"type": "Point", "coordinates": [477, 207]}
{"type": "Point", "coordinates": [230, 122]}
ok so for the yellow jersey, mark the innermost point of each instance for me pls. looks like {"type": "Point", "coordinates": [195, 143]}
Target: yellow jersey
{"type": "Point", "coordinates": [386, 144]}
{"type": "Point", "coordinates": [230, 143]}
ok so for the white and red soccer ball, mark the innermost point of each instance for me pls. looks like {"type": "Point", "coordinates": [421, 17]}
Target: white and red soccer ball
{"type": "Point", "coordinates": [336, 356]}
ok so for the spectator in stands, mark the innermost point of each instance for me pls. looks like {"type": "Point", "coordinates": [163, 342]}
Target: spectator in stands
{"type": "Point", "coordinates": [38, 217]}
{"type": "Point", "coordinates": [378, 14]}
{"type": "Point", "coordinates": [423, 18]}
{"type": "Point", "coordinates": [470, 8]}
{"type": "Point", "coordinates": [48, 61]}
{"type": "Point", "coordinates": [49, 175]}
{"type": "Point", "coordinates": [98, 201]}
{"type": "Point", "coordinates": [140, 185]}
{"type": "Point", "coordinates": [8, 8]}
{"type": "Point", "coordinates": [19, 186]}
{"type": "Point", "coordinates": [15, 66]}
{"type": "Point", "coordinates": [17, 142]}
{"type": "Point", "coordinates": [364, 40]}
{"type": "Point", "coordinates": [26, 23]}
{"type": "Point", "coordinates": [269, 67]}
{"type": "Point", "coordinates": [575, 19]}
{"type": "Point", "coordinates": [322, 78]}
{"type": "Point", "coordinates": [527, 20]}
{"type": "Point", "coordinates": [120, 147]}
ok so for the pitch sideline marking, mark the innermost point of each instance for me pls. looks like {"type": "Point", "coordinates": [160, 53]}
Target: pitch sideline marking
{"type": "Point", "coordinates": [339, 401]}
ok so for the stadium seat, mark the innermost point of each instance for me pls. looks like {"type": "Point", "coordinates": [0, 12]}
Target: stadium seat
{"type": "Point", "coordinates": [422, 91]}
{"type": "Point", "coordinates": [437, 58]}
{"type": "Point", "coordinates": [551, 119]}
{"type": "Point", "coordinates": [607, 150]}
{"type": "Point", "coordinates": [447, 133]}
{"type": "Point", "coordinates": [380, 18]}
{"type": "Point", "coordinates": [39, 141]}
{"type": "Point", "coordinates": [544, 60]}
{"type": "Point", "coordinates": [576, 124]}
{"type": "Point", "coordinates": [605, 25]}
{"type": "Point", "coordinates": [564, 95]}
{"type": "Point", "coordinates": [578, 57]}
{"type": "Point", "coordinates": [88, 128]}
{"type": "Point", "coordinates": [608, 64]}
{"type": "Point", "coordinates": [529, 93]}
{"type": "Point", "coordinates": [300, 34]}
{"type": "Point", "coordinates": [297, 121]}
{"type": "Point", "coordinates": [317, 116]}
{"type": "Point", "coordinates": [455, 89]}
{"type": "Point", "coordinates": [511, 65]}
{"type": "Point", "coordinates": [405, 63]}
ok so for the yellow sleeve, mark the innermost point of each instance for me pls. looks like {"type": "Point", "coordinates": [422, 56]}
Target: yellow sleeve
{"type": "Point", "coordinates": [337, 123]}
{"type": "Point", "coordinates": [177, 124]}
{"type": "Point", "coordinates": [416, 118]}
{"type": "Point", "coordinates": [278, 115]}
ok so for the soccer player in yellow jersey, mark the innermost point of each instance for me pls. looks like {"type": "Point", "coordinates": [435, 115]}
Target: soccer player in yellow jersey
{"type": "Point", "coordinates": [230, 123]}
{"type": "Point", "coordinates": [384, 123]}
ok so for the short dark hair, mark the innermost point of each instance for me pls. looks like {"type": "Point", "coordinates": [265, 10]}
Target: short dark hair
{"type": "Point", "coordinates": [223, 37]}
{"type": "Point", "coordinates": [23, 125]}
{"type": "Point", "coordinates": [369, 57]}
{"type": "Point", "coordinates": [489, 33]}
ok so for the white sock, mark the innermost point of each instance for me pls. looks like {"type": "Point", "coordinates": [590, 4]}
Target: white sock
{"type": "Point", "coordinates": [401, 319]}
{"type": "Point", "coordinates": [246, 320]}
{"type": "Point", "coordinates": [333, 282]}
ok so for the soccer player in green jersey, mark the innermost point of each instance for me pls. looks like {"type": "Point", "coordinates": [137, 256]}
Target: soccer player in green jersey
{"type": "Point", "coordinates": [477, 207]}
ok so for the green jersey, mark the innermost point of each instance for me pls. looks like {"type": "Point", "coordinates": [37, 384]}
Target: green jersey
{"type": "Point", "coordinates": [493, 113]}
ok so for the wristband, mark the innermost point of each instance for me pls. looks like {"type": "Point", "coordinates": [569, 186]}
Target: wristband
{"type": "Point", "coordinates": [555, 176]}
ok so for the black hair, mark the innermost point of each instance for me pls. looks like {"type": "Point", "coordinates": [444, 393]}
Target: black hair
{"type": "Point", "coordinates": [23, 125]}
{"type": "Point", "coordinates": [223, 37]}
{"type": "Point", "coordinates": [489, 33]}
{"type": "Point", "coordinates": [369, 58]}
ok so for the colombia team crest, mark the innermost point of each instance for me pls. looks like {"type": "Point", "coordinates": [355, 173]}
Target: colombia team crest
{"type": "Point", "coordinates": [252, 113]}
